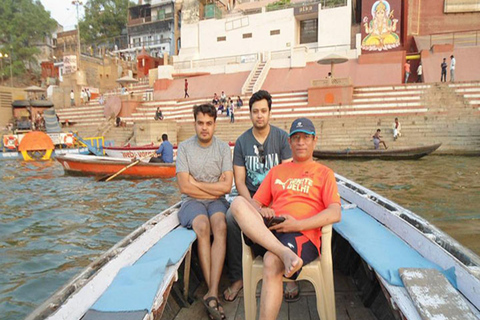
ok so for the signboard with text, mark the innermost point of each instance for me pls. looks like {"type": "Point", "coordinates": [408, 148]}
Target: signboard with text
{"type": "Point", "coordinates": [69, 64]}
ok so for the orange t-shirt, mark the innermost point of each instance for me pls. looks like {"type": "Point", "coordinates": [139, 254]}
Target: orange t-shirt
{"type": "Point", "coordinates": [407, 67]}
{"type": "Point", "coordinates": [301, 190]}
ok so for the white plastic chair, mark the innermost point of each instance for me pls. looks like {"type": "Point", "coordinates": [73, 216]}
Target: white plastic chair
{"type": "Point", "coordinates": [319, 272]}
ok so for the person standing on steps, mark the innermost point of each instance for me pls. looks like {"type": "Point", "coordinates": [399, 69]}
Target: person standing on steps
{"type": "Point", "coordinates": [397, 128]}
{"type": "Point", "coordinates": [420, 73]}
{"type": "Point", "coordinates": [186, 89]}
{"type": "Point", "coordinates": [256, 151]}
{"type": "Point", "coordinates": [452, 68]}
{"type": "Point", "coordinates": [443, 77]}
{"type": "Point", "coordinates": [406, 66]}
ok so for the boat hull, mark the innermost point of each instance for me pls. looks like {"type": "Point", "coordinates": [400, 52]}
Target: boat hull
{"type": "Point", "coordinates": [388, 154]}
{"type": "Point", "coordinates": [131, 152]}
{"type": "Point", "coordinates": [99, 166]}
{"type": "Point", "coordinates": [15, 155]}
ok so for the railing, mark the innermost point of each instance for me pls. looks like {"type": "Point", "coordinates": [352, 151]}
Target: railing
{"type": "Point", "coordinates": [141, 20]}
{"type": "Point", "coordinates": [337, 47]}
{"type": "Point", "coordinates": [326, 4]}
{"type": "Point", "coordinates": [463, 38]}
{"type": "Point", "coordinates": [281, 54]}
{"type": "Point", "coordinates": [247, 58]}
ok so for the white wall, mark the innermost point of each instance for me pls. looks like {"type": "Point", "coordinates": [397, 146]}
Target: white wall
{"type": "Point", "coordinates": [259, 25]}
{"type": "Point", "coordinates": [199, 39]}
{"type": "Point", "coordinates": [334, 26]}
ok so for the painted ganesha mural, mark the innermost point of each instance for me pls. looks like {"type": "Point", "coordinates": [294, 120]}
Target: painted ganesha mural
{"type": "Point", "coordinates": [381, 30]}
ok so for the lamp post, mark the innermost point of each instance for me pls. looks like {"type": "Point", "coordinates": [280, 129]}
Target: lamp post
{"type": "Point", "coordinates": [11, 73]}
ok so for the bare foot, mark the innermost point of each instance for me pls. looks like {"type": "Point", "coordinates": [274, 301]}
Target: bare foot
{"type": "Point", "coordinates": [292, 262]}
{"type": "Point", "coordinates": [231, 293]}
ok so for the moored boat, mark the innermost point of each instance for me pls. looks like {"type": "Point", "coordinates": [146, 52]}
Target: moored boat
{"type": "Point", "coordinates": [383, 154]}
{"type": "Point", "coordinates": [391, 238]}
{"type": "Point", "coordinates": [132, 152]}
{"type": "Point", "coordinates": [100, 166]}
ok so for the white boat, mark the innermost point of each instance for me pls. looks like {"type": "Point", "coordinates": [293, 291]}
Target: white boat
{"type": "Point", "coordinates": [391, 237]}
{"type": "Point", "coordinates": [133, 152]}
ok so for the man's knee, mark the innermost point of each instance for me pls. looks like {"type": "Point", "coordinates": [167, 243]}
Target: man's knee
{"type": "Point", "coordinates": [231, 222]}
{"type": "Point", "coordinates": [201, 226]}
{"type": "Point", "coordinates": [236, 206]}
{"type": "Point", "coordinates": [219, 227]}
{"type": "Point", "coordinates": [272, 265]}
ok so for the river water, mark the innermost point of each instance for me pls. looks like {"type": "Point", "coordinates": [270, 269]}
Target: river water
{"type": "Point", "coordinates": [52, 225]}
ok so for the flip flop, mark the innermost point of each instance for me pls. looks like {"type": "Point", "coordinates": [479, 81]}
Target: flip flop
{"type": "Point", "coordinates": [289, 294]}
{"type": "Point", "coordinates": [230, 293]}
{"type": "Point", "coordinates": [212, 311]}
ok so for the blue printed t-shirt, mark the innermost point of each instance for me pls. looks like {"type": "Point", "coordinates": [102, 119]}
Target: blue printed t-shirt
{"type": "Point", "coordinates": [166, 150]}
{"type": "Point", "coordinates": [247, 154]}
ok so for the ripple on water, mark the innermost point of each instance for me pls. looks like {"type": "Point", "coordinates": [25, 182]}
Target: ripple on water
{"type": "Point", "coordinates": [52, 226]}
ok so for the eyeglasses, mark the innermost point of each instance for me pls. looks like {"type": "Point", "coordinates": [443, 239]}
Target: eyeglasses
{"type": "Point", "coordinates": [261, 153]}
{"type": "Point", "coordinates": [297, 137]}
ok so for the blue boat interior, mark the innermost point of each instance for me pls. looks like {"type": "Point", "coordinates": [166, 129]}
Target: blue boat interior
{"type": "Point", "coordinates": [132, 292]}
{"type": "Point", "coordinates": [383, 250]}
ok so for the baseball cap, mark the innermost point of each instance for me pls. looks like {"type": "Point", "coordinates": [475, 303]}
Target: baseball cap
{"type": "Point", "coordinates": [302, 125]}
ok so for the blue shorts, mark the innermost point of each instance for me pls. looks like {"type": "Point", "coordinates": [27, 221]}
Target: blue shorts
{"type": "Point", "coordinates": [296, 241]}
{"type": "Point", "coordinates": [192, 208]}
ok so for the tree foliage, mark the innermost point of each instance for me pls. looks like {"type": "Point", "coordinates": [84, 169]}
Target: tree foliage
{"type": "Point", "coordinates": [23, 23]}
{"type": "Point", "coordinates": [104, 19]}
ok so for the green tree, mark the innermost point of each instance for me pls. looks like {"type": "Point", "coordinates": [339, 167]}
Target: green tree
{"type": "Point", "coordinates": [23, 24]}
{"type": "Point", "coordinates": [104, 19]}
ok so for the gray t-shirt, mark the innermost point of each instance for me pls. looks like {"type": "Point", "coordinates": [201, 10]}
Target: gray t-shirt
{"type": "Point", "coordinates": [248, 154]}
{"type": "Point", "coordinates": [205, 164]}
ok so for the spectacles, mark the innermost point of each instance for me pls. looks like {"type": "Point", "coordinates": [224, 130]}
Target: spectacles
{"type": "Point", "coordinates": [261, 153]}
{"type": "Point", "coordinates": [297, 137]}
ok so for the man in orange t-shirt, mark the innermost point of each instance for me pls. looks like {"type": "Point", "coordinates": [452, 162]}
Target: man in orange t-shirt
{"type": "Point", "coordinates": [406, 66]}
{"type": "Point", "coordinates": [303, 192]}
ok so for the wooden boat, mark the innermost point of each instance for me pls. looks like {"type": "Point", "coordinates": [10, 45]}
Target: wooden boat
{"type": "Point", "coordinates": [100, 166]}
{"type": "Point", "coordinates": [399, 234]}
{"type": "Point", "coordinates": [131, 152]}
{"type": "Point", "coordinates": [388, 154]}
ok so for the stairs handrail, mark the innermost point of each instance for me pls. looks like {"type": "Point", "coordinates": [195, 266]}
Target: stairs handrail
{"type": "Point", "coordinates": [250, 76]}
{"type": "Point", "coordinates": [92, 149]}
{"type": "Point", "coordinates": [262, 76]}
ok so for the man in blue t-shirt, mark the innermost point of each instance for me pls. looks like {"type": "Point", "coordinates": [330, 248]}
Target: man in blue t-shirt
{"type": "Point", "coordinates": [256, 151]}
{"type": "Point", "coordinates": [165, 152]}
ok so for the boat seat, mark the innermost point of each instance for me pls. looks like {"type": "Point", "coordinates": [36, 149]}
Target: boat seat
{"type": "Point", "coordinates": [132, 292]}
{"type": "Point", "coordinates": [319, 272]}
{"type": "Point", "coordinates": [383, 250]}
{"type": "Point", "coordinates": [434, 297]}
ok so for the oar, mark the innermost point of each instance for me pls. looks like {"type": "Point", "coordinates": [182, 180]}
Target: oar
{"type": "Point", "coordinates": [110, 177]}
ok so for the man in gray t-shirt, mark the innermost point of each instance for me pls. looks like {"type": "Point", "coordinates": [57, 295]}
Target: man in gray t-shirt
{"type": "Point", "coordinates": [204, 176]}
{"type": "Point", "coordinates": [257, 150]}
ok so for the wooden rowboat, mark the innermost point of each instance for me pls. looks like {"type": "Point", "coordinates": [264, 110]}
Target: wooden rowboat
{"type": "Point", "coordinates": [399, 235]}
{"type": "Point", "coordinates": [101, 166]}
{"type": "Point", "coordinates": [131, 152]}
{"type": "Point", "coordinates": [388, 154]}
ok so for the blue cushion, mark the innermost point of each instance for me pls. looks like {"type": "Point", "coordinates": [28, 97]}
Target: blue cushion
{"type": "Point", "coordinates": [384, 251]}
{"type": "Point", "coordinates": [134, 287]}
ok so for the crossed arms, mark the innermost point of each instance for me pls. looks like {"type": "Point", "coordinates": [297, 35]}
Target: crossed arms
{"type": "Point", "coordinates": [204, 190]}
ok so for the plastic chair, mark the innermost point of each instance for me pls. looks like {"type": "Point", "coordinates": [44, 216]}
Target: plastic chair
{"type": "Point", "coordinates": [319, 272]}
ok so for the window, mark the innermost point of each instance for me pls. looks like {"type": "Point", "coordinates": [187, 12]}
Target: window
{"type": "Point", "coordinates": [224, 38]}
{"type": "Point", "coordinates": [247, 35]}
{"type": "Point", "coordinates": [161, 14]}
{"type": "Point", "coordinates": [274, 32]}
{"type": "Point", "coordinates": [308, 31]}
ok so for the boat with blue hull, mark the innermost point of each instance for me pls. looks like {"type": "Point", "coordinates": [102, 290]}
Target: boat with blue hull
{"type": "Point", "coordinates": [388, 253]}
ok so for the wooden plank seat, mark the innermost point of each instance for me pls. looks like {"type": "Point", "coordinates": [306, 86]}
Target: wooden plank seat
{"type": "Point", "coordinates": [433, 296]}
{"type": "Point", "coordinates": [134, 290]}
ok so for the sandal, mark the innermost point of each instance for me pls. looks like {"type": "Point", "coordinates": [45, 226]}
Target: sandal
{"type": "Point", "coordinates": [231, 293]}
{"type": "Point", "coordinates": [213, 311]}
{"type": "Point", "coordinates": [292, 295]}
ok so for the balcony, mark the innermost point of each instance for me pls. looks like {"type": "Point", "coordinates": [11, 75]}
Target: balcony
{"type": "Point", "coordinates": [137, 21]}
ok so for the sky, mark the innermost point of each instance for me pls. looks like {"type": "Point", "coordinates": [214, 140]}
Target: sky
{"type": "Point", "coordinates": [64, 12]}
